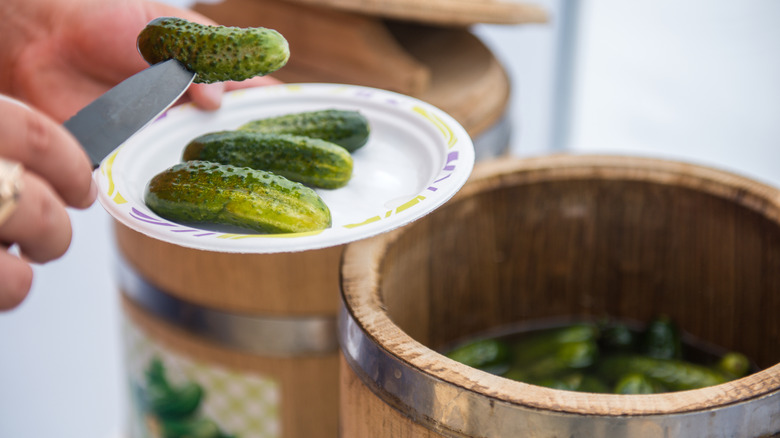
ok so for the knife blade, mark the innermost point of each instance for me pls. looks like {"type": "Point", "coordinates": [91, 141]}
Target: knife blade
{"type": "Point", "coordinates": [114, 117]}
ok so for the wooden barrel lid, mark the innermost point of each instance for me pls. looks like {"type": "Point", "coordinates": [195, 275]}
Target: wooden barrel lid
{"type": "Point", "coordinates": [447, 12]}
{"type": "Point", "coordinates": [448, 67]}
{"type": "Point", "coordinates": [467, 80]}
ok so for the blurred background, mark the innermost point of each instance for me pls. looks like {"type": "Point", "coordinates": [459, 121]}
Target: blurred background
{"type": "Point", "coordinates": [697, 81]}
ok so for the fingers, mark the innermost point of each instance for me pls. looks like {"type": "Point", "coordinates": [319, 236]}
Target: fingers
{"type": "Point", "coordinates": [56, 172]}
{"type": "Point", "coordinates": [46, 149]}
{"type": "Point", "coordinates": [209, 96]}
{"type": "Point", "coordinates": [40, 225]}
{"type": "Point", "coordinates": [206, 96]}
{"type": "Point", "coordinates": [107, 60]}
{"type": "Point", "coordinates": [17, 279]}
{"type": "Point", "coordinates": [257, 81]}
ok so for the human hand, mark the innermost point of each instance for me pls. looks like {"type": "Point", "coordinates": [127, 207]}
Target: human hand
{"type": "Point", "coordinates": [56, 173]}
{"type": "Point", "coordinates": [60, 56]}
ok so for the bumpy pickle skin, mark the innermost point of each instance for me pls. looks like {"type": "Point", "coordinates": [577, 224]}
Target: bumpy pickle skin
{"type": "Point", "coordinates": [311, 161]}
{"type": "Point", "coordinates": [482, 354]}
{"type": "Point", "coordinates": [661, 339]}
{"type": "Point", "coordinates": [346, 128]}
{"type": "Point", "coordinates": [634, 383]}
{"type": "Point", "coordinates": [547, 342]}
{"type": "Point", "coordinates": [201, 192]}
{"type": "Point", "coordinates": [214, 53]}
{"type": "Point", "coordinates": [674, 374]}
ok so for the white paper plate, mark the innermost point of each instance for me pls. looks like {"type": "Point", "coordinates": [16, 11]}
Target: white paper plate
{"type": "Point", "coordinates": [417, 157]}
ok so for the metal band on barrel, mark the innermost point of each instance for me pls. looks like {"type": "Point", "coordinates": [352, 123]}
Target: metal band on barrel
{"type": "Point", "coordinates": [456, 412]}
{"type": "Point", "coordinates": [258, 334]}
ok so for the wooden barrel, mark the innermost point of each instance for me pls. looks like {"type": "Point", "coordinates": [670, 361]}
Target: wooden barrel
{"type": "Point", "coordinates": [564, 237]}
{"type": "Point", "coordinates": [234, 329]}
{"type": "Point", "coordinates": [256, 332]}
{"type": "Point", "coordinates": [421, 49]}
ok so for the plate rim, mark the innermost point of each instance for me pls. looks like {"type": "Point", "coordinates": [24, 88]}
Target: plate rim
{"type": "Point", "coordinates": [460, 149]}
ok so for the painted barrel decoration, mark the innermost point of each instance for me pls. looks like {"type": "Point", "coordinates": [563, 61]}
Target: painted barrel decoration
{"type": "Point", "coordinates": [569, 236]}
{"type": "Point", "coordinates": [229, 344]}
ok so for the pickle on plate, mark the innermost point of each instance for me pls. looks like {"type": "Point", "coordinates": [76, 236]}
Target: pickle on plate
{"type": "Point", "coordinates": [346, 128]}
{"type": "Point", "coordinates": [205, 192]}
{"type": "Point", "coordinates": [311, 161]}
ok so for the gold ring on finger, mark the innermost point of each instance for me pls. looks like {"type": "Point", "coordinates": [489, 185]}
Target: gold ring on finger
{"type": "Point", "coordinates": [10, 187]}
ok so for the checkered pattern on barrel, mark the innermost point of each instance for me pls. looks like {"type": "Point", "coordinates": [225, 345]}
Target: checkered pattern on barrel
{"type": "Point", "coordinates": [244, 405]}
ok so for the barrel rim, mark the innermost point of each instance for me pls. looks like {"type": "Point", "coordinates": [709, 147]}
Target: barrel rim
{"type": "Point", "coordinates": [362, 301]}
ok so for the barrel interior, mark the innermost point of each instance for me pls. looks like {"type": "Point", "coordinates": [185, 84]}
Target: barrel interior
{"type": "Point", "coordinates": [534, 248]}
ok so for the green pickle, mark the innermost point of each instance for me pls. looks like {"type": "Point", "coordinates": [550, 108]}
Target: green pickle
{"type": "Point", "coordinates": [346, 128]}
{"type": "Point", "coordinates": [591, 383]}
{"type": "Point", "coordinates": [615, 336]}
{"type": "Point", "coordinates": [577, 381]}
{"type": "Point", "coordinates": [635, 383]}
{"type": "Point", "coordinates": [569, 382]}
{"type": "Point", "coordinates": [311, 161]}
{"type": "Point", "coordinates": [567, 357]}
{"type": "Point", "coordinates": [661, 339]}
{"type": "Point", "coordinates": [734, 364]}
{"type": "Point", "coordinates": [545, 343]}
{"type": "Point", "coordinates": [484, 354]}
{"type": "Point", "coordinates": [674, 374]}
{"type": "Point", "coordinates": [214, 53]}
{"type": "Point", "coordinates": [211, 193]}
{"type": "Point", "coordinates": [608, 357]}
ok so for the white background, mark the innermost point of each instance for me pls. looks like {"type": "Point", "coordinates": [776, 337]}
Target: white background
{"type": "Point", "coordinates": [696, 80]}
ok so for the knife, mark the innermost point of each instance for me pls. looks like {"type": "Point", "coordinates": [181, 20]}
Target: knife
{"type": "Point", "coordinates": [112, 118]}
